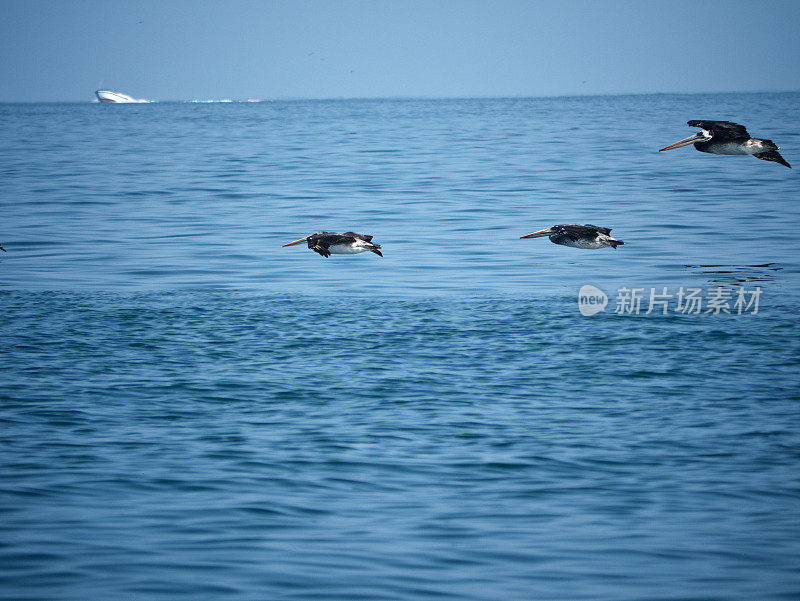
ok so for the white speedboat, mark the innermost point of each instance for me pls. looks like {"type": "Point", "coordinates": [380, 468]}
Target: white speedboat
{"type": "Point", "coordinates": [107, 96]}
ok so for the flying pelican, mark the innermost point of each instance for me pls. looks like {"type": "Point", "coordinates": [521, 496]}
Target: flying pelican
{"type": "Point", "coordinates": [724, 137]}
{"type": "Point", "coordinates": [578, 236]}
{"type": "Point", "coordinates": [349, 243]}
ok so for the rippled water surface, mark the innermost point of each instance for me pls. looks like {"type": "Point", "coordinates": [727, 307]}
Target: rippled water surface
{"type": "Point", "coordinates": [190, 411]}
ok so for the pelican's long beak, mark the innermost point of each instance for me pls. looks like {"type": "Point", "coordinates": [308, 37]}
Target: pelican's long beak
{"type": "Point", "coordinates": [297, 242]}
{"type": "Point", "coordinates": [686, 141]}
{"type": "Point", "coordinates": [538, 234]}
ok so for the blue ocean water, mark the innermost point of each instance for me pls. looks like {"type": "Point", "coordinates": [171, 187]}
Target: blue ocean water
{"type": "Point", "coordinates": [191, 411]}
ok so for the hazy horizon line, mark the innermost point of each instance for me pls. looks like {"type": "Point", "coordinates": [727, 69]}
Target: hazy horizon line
{"type": "Point", "coordinates": [409, 97]}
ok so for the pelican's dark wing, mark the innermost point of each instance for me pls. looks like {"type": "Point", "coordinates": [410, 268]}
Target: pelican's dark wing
{"type": "Point", "coordinates": [320, 242]}
{"type": "Point", "coordinates": [602, 230]}
{"type": "Point", "coordinates": [772, 155]}
{"type": "Point", "coordinates": [333, 239]}
{"type": "Point", "coordinates": [581, 232]}
{"type": "Point", "coordinates": [722, 130]}
{"type": "Point", "coordinates": [320, 248]}
{"type": "Point", "coordinates": [363, 237]}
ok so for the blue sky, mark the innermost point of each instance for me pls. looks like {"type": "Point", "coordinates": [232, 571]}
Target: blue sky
{"type": "Point", "coordinates": [247, 49]}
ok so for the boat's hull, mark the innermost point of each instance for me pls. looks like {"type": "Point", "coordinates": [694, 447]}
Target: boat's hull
{"type": "Point", "coordinates": [107, 96]}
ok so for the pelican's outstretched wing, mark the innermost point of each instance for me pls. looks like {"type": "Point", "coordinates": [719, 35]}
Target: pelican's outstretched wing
{"type": "Point", "coordinates": [320, 242]}
{"type": "Point", "coordinates": [321, 249]}
{"type": "Point", "coordinates": [363, 237]}
{"type": "Point", "coordinates": [772, 155]}
{"type": "Point", "coordinates": [602, 230]}
{"type": "Point", "coordinates": [577, 232]}
{"type": "Point", "coordinates": [721, 130]}
{"type": "Point", "coordinates": [346, 238]}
